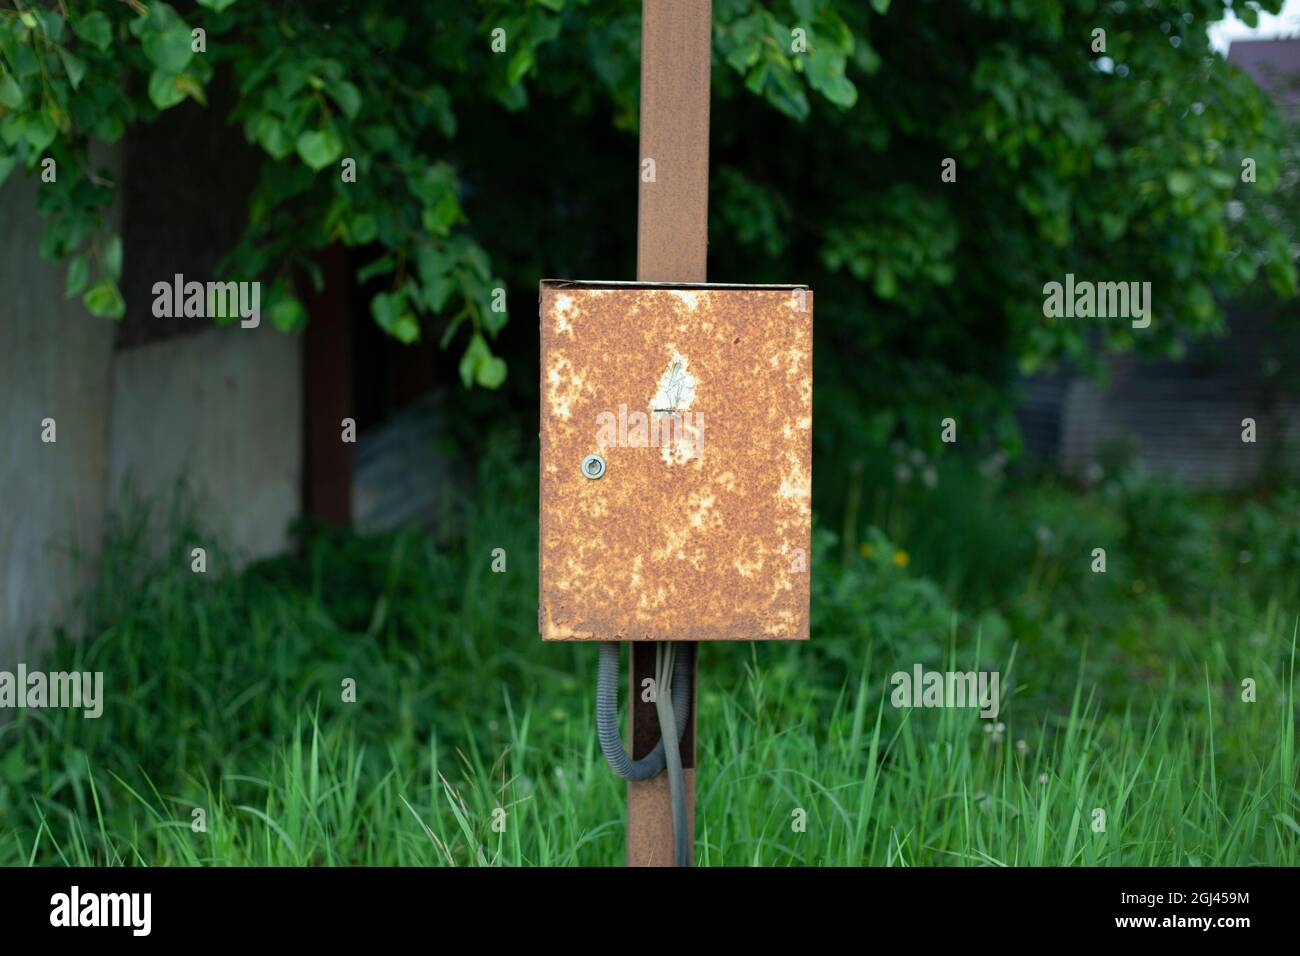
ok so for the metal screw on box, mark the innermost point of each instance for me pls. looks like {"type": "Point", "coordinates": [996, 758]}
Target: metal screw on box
{"type": "Point", "coordinates": [593, 466]}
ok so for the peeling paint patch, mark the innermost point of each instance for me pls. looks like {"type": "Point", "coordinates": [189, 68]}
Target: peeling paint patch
{"type": "Point", "coordinates": [685, 439]}
{"type": "Point", "coordinates": [676, 387]}
{"type": "Point", "coordinates": [563, 310]}
{"type": "Point", "coordinates": [564, 385]}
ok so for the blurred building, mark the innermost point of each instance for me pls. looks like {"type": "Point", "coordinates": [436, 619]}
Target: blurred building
{"type": "Point", "coordinates": [1183, 419]}
{"type": "Point", "coordinates": [249, 420]}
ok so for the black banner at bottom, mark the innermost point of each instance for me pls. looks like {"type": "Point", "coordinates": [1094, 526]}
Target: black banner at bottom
{"type": "Point", "coordinates": [335, 906]}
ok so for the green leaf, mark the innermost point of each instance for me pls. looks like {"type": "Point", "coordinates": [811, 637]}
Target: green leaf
{"type": "Point", "coordinates": [519, 66]}
{"type": "Point", "coordinates": [7, 164]}
{"type": "Point", "coordinates": [476, 352]}
{"type": "Point", "coordinates": [439, 218]}
{"type": "Point", "coordinates": [437, 292]}
{"type": "Point", "coordinates": [74, 67]}
{"type": "Point", "coordinates": [1180, 182]}
{"type": "Point", "coordinates": [78, 276]}
{"type": "Point", "coordinates": [824, 63]}
{"type": "Point", "coordinates": [1112, 225]}
{"type": "Point", "coordinates": [95, 28]}
{"type": "Point", "coordinates": [491, 372]}
{"type": "Point", "coordinates": [217, 5]}
{"type": "Point", "coordinates": [348, 98]}
{"type": "Point", "coordinates": [478, 260]}
{"type": "Point", "coordinates": [14, 128]}
{"type": "Point", "coordinates": [191, 87]}
{"type": "Point", "coordinates": [381, 138]}
{"type": "Point", "coordinates": [40, 131]}
{"type": "Point", "coordinates": [881, 6]}
{"type": "Point", "coordinates": [384, 307]}
{"type": "Point", "coordinates": [288, 314]}
{"type": "Point", "coordinates": [269, 132]}
{"type": "Point", "coordinates": [51, 24]}
{"type": "Point", "coordinates": [362, 229]}
{"type": "Point", "coordinates": [478, 364]}
{"type": "Point", "coordinates": [24, 59]}
{"type": "Point", "coordinates": [886, 284]}
{"type": "Point", "coordinates": [826, 74]}
{"type": "Point", "coordinates": [379, 267]}
{"type": "Point", "coordinates": [110, 127]}
{"type": "Point", "coordinates": [433, 266]}
{"type": "Point", "coordinates": [104, 300]}
{"type": "Point", "coordinates": [164, 91]}
{"type": "Point", "coordinates": [744, 56]}
{"type": "Point", "coordinates": [11, 94]}
{"type": "Point", "coordinates": [392, 315]}
{"type": "Point", "coordinates": [113, 257]}
{"type": "Point", "coordinates": [319, 148]}
{"type": "Point", "coordinates": [841, 91]}
{"type": "Point", "coordinates": [440, 103]}
{"type": "Point", "coordinates": [291, 76]}
{"type": "Point", "coordinates": [430, 262]}
{"type": "Point", "coordinates": [1221, 179]}
{"type": "Point", "coordinates": [406, 328]}
{"type": "Point", "coordinates": [166, 39]}
{"type": "Point", "coordinates": [433, 183]}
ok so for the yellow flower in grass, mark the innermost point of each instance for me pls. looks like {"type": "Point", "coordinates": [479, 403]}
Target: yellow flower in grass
{"type": "Point", "coordinates": [901, 558]}
{"type": "Point", "coordinates": [866, 550]}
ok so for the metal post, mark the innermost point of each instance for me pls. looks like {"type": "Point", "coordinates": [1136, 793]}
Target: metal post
{"type": "Point", "coordinates": [672, 246]}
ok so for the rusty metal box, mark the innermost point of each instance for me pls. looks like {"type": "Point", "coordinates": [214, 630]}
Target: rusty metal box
{"type": "Point", "coordinates": [676, 461]}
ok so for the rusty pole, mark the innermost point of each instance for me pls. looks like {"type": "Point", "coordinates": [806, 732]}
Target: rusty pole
{"type": "Point", "coordinates": [671, 246]}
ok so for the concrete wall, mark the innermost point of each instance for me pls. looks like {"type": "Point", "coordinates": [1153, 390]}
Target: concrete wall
{"type": "Point", "coordinates": [141, 403]}
{"type": "Point", "coordinates": [221, 409]}
{"type": "Point", "coordinates": [55, 362]}
{"type": "Point", "coordinates": [1181, 419]}
{"type": "Point", "coordinates": [403, 475]}
{"type": "Point", "coordinates": [1174, 433]}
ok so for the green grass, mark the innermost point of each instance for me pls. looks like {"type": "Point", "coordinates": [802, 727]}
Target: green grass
{"type": "Point", "coordinates": [224, 693]}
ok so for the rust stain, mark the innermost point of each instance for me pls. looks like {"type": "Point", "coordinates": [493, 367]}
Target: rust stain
{"type": "Point", "coordinates": [699, 399]}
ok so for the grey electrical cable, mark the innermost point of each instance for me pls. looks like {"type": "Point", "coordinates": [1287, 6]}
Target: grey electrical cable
{"type": "Point", "coordinates": [607, 707]}
{"type": "Point", "coordinates": [668, 733]}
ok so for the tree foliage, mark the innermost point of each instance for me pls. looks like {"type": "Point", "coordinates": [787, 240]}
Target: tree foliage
{"type": "Point", "coordinates": [831, 122]}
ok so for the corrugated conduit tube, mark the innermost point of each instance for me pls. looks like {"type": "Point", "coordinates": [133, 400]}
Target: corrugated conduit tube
{"type": "Point", "coordinates": [673, 667]}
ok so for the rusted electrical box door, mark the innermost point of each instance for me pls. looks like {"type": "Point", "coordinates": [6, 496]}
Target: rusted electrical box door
{"type": "Point", "coordinates": [676, 461]}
